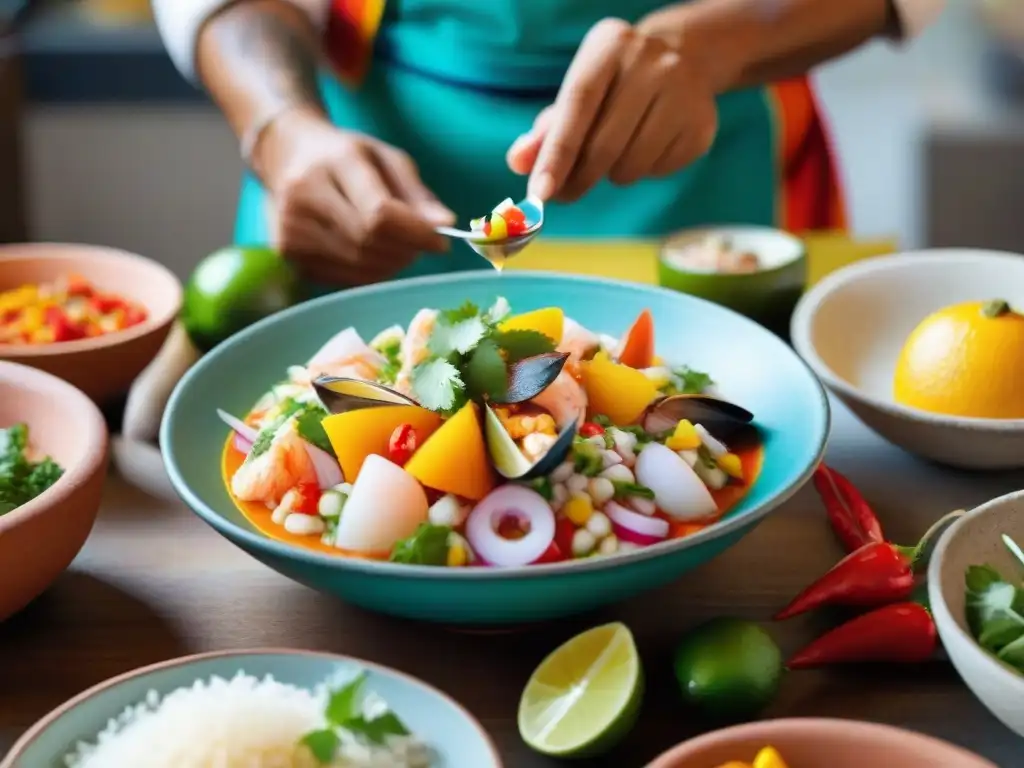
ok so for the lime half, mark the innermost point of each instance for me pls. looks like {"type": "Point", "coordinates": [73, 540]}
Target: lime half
{"type": "Point", "coordinates": [585, 696]}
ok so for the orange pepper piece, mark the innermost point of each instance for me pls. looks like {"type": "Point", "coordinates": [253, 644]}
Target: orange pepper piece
{"type": "Point", "coordinates": [638, 349]}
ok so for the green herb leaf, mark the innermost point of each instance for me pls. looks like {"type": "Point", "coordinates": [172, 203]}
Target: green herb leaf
{"type": "Point", "coordinates": [991, 600]}
{"type": "Point", "coordinates": [543, 486]}
{"type": "Point", "coordinates": [486, 373]}
{"type": "Point", "coordinates": [323, 744]}
{"type": "Point", "coordinates": [499, 310]}
{"type": "Point", "coordinates": [980, 577]}
{"type": "Point", "coordinates": [999, 633]}
{"type": "Point", "coordinates": [1013, 653]}
{"type": "Point", "coordinates": [687, 381]}
{"type": "Point", "coordinates": [586, 457]}
{"type": "Point", "coordinates": [345, 703]}
{"type": "Point", "coordinates": [624, 490]}
{"type": "Point", "coordinates": [391, 352]}
{"type": "Point", "coordinates": [458, 338]}
{"type": "Point", "coordinates": [22, 480]}
{"type": "Point", "coordinates": [437, 385]}
{"type": "Point", "coordinates": [454, 316]}
{"type": "Point", "coordinates": [427, 546]}
{"type": "Point", "coordinates": [308, 423]}
{"type": "Point", "coordinates": [378, 729]}
{"type": "Point", "coordinates": [521, 344]}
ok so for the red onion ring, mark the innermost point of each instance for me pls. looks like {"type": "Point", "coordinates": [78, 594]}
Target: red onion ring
{"type": "Point", "coordinates": [636, 528]}
{"type": "Point", "coordinates": [328, 471]}
{"type": "Point", "coordinates": [241, 444]}
{"type": "Point", "coordinates": [528, 507]}
{"type": "Point", "coordinates": [240, 427]}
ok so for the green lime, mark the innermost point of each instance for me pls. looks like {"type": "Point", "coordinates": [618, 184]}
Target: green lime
{"type": "Point", "coordinates": [585, 696]}
{"type": "Point", "coordinates": [233, 288]}
{"type": "Point", "coordinates": [728, 668]}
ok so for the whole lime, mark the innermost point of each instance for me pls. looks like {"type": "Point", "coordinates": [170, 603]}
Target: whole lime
{"type": "Point", "coordinates": [728, 668]}
{"type": "Point", "coordinates": [233, 288]}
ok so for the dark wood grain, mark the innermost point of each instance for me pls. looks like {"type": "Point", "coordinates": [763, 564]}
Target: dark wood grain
{"type": "Point", "coordinates": [154, 583]}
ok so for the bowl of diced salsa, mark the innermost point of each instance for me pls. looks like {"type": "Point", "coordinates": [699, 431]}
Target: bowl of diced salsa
{"type": "Point", "coordinates": [91, 315]}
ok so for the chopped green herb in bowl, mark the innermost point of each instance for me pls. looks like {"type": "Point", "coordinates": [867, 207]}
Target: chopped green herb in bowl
{"type": "Point", "coordinates": [22, 476]}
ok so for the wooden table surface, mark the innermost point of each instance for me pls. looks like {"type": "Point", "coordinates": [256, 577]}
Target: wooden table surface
{"type": "Point", "coordinates": [154, 583]}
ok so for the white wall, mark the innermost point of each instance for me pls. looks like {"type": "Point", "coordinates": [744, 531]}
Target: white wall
{"type": "Point", "coordinates": [162, 181]}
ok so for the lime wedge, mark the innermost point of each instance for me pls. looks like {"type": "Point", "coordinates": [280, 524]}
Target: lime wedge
{"type": "Point", "coordinates": [585, 696]}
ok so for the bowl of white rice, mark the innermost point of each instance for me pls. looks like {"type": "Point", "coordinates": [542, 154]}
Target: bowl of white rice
{"type": "Point", "coordinates": [258, 709]}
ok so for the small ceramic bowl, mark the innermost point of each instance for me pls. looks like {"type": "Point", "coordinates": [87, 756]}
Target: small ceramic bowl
{"type": "Point", "coordinates": [103, 367]}
{"type": "Point", "coordinates": [38, 540]}
{"type": "Point", "coordinates": [767, 295]}
{"type": "Point", "coordinates": [456, 738]}
{"type": "Point", "coordinates": [975, 539]}
{"type": "Point", "coordinates": [851, 326]}
{"type": "Point", "coordinates": [820, 743]}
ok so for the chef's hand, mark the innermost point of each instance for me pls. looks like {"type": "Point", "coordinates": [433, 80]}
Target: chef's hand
{"type": "Point", "coordinates": [350, 209]}
{"type": "Point", "coordinates": [630, 106]}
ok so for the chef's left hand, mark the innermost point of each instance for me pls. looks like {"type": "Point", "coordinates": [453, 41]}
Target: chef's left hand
{"type": "Point", "coordinates": [631, 106]}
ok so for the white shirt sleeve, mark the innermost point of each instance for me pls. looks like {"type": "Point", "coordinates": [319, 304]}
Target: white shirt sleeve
{"type": "Point", "coordinates": [180, 21]}
{"type": "Point", "coordinates": [916, 15]}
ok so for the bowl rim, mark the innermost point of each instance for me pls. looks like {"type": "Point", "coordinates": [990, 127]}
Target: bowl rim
{"type": "Point", "coordinates": [817, 725]}
{"type": "Point", "coordinates": [92, 253]}
{"type": "Point", "coordinates": [263, 543]}
{"type": "Point", "coordinates": [809, 304]}
{"type": "Point", "coordinates": [42, 724]}
{"type": "Point", "coordinates": [799, 246]}
{"type": "Point", "coordinates": [944, 619]}
{"type": "Point", "coordinates": [88, 418]}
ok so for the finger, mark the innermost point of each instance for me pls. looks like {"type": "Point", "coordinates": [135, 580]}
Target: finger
{"type": "Point", "coordinates": [372, 267]}
{"type": "Point", "coordinates": [689, 146]}
{"type": "Point", "coordinates": [657, 132]}
{"type": "Point", "coordinates": [381, 215]}
{"type": "Point", "coordinates": [632, 94]}
{"type": "Point", "coordinates": [522, 155]}
{"type": "Point", "coordinates": [403, 177]}
{"type": "Point", "coordinates": [583, 90]}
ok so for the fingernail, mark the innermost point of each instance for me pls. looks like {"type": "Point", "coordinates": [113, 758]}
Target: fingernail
{"type": "Point", "coordinates": [438, 214]}
{"type": "Point", "coordinates": [542, 185]}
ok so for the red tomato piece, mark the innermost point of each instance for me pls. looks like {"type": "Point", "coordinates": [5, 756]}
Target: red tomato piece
{"type": "Point", "coordinates": [553, 554]}
{"type": "Point", "coordinates": [308, 498]}
{"type": "Point", "coordinates": [590, 429]}
{"type": "Point", "coordinates": [403, 444]}
{"type": "Point", "coordinates": [564, 532]}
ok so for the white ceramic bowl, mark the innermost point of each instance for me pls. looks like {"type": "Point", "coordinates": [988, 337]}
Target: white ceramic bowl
{"type": "Point", "coordinates": [975, 540]}
{"type": "Point", "coordinates": [851, 326]}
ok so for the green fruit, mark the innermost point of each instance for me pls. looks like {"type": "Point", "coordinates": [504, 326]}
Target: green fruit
{"type": "Point", "coordinates": [728, 668]}
{"type": "Point", "coordinates": [233, 288]}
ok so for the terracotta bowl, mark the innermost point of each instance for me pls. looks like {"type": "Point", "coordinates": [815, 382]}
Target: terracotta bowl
{"type": "Point", "coordinates": [103, 367]}
{"type": "Point", "coordinates": [38, 540]}
{"type": "Point", "coordinates": [820, 743]}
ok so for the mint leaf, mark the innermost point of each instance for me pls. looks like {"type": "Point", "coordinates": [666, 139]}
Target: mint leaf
{"type": "Point", "coordinates": [520, 344]}
{"type": "Point", "coordinates": [323, 744]}
{"type": "Point", "coordinates": [486, 373]}
{"type": "Point", "coordinates": [437, 385]}
{"type": "Point", "coordinates": [427, 546]}
{"type": "Point", "coordinates": [378, 729]}
{"type": "Point", "coordinates": [346, 702]}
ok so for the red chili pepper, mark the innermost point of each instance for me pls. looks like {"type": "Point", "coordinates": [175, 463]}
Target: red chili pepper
{"type": "Point", "coordinates": [62, 327]}
{"type": "Point", "coordinates": [900, 633]}
{"type": "Point", "coordinates": [403, 444]}
{"type": "Point", "coordinates": [851, 516]}
{"type": "Point", "coordinates": [876, 573]}
{"type": "Point", "coordinates": [308, 498]}
{"type": "Point", "coordinates": [590, 429]}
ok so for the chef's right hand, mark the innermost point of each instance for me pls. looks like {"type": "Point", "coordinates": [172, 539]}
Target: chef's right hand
{"type": "Point", "coordinates": [350, 209]}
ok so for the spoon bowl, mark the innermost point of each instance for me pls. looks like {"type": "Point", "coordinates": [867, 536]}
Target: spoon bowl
{"type": "Point", "coordinates": [499, 251]}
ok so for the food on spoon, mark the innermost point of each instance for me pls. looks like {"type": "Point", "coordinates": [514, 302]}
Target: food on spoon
{"type": "Point", "coordinates": [245, 721]}
{"type": "Point", "coordinates": [728, 668]}
{"type": "Point", "coordinates": [714, 253]}
{"type": "Point", "coordinates": [505, 221]}
{"type": "Point", "coordinates": [476, 437]}
{"type": "Point", "coordinates": [995, 610]}
{"type": "Point", "coordinates": [66, 309]}
{"type": "Point", "coordinates": [767, 757]}
{"type": "Point", "coordinates": [23, 474]}
{"type": "Point", "coordinates": [965, 360]}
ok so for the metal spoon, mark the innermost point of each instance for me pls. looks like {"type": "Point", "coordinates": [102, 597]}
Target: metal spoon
{"type": "Point", "coordinates": [498, 251]}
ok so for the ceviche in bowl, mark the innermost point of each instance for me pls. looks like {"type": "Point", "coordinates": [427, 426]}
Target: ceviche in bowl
{"type": "Point", "coordinates": [481, 437]}
{"type": "Point", "coordinates": [484, 450]}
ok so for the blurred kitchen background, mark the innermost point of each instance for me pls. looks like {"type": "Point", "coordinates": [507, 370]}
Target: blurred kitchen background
{"type": "Point", "coordinates": [102, 142]}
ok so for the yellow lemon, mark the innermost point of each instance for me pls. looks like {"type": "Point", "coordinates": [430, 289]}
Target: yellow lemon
{"type": "Point", "coordinates": [965, 360]}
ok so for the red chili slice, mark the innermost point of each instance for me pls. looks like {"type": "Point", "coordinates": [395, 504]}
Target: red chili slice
{"type": "Point", "coordinates": [403, 444]}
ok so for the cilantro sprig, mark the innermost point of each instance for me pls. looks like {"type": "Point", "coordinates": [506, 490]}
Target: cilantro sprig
{"type": "Point", "coordinates": [21, 480]}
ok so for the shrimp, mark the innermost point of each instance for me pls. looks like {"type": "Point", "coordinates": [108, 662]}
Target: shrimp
{"type": "Point", "coordinates": [346, 355]}
{"type": "Point", "coordinates": [577, 341]}
{"type": "Point", "coordinates": [414, 347]}
{"type": "Point", "coordinates": [282, 466]}
{"type": "Point", "coordinates": [564, 399]}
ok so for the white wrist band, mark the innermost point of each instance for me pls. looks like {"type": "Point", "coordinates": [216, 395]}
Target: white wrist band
{"type": "Point", "coordinates": [251, 136]}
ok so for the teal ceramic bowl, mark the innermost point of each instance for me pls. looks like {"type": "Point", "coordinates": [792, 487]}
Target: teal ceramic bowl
{"type": "Point", "coordinates": [751, 366]}
{"type": "Point", "coordinates": [768, 295]}
{"type": "Point", "coordinates": [456, 738]}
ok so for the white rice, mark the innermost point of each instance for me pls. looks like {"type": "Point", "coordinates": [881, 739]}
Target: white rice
{"type": "Point", "coordinates": [244, 722]}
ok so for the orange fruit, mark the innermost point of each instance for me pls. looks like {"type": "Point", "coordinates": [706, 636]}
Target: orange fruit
{"type": "Point", "coordinates": [965, 360]}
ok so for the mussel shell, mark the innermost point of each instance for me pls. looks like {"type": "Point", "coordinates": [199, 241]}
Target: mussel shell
{"type": "Point", "coordinates": [510, 462]}
{"type": "Point", "coordinates": [530, 376]}
{"type": "Point", "coordinates": [720, 417]}
{"type": "Point", "coordinates": [340, 395]}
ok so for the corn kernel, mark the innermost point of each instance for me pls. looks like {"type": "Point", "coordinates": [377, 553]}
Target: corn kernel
{"type": "Point", "coordinates": [545, 424]}
{"type": "Point", "coordinates": [769, 757]}
{"type": "Point", "coordinates": [685, 438]}
{"type": "Point", "coordinates": [457, 556]}
{"type": "Point", "coordinates": [578, 509]}
{"type": "Point", "coordinates": [731, 465]}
